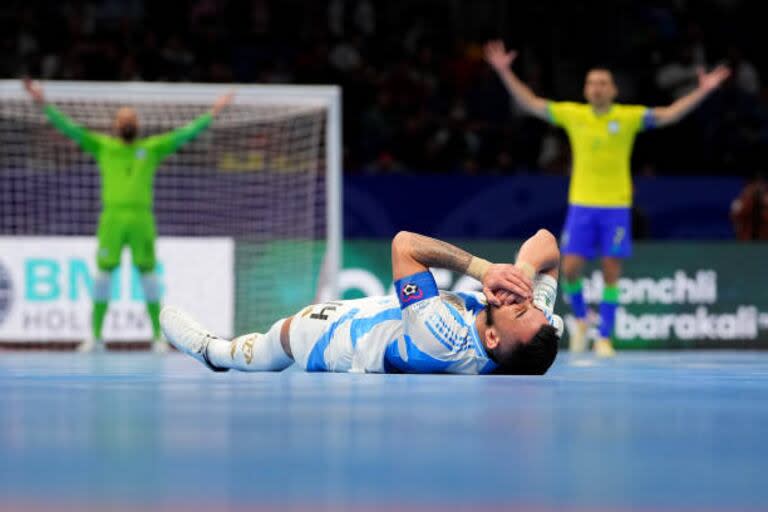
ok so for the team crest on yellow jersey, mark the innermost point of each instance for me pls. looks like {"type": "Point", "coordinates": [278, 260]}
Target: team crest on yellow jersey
{"type": "Point", "coordinates": [613, 126]}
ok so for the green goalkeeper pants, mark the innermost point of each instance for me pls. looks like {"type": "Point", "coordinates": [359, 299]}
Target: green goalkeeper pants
{"type": "Point", "coordinates": [119, 227]}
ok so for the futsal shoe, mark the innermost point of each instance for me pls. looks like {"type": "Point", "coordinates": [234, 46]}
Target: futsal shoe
{"type": "Point", "coordinates": [577, 338]}
{"type": "Point", "coordinates": [187, 335]}
{"type": "Point", "coordinates": [604, 348]}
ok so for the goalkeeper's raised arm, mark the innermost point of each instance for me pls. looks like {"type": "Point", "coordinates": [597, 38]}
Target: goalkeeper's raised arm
{"type": "Point", "coordinates": [168, 143]}
{"type": "Point", "coordinates": [89, 141]}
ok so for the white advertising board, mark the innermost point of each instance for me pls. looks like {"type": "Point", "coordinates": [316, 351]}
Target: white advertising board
{"type": "Point", "coordinates": [46, 285]}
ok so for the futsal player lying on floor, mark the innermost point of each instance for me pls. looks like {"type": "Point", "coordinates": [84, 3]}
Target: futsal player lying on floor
{"type": "Point", "coordinates": [508, 328]}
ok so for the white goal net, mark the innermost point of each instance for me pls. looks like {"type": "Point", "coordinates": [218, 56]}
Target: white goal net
{"type": "Point", "coordinates": [266, 174]}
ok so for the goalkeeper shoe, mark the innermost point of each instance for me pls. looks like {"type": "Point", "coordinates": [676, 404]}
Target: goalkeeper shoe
{"type": "Point", "coordinates": [187, 335]}
{"type": "Point", "coordinates": [160, 346]}
{"type": "Point", "coordinates": [91, 344]}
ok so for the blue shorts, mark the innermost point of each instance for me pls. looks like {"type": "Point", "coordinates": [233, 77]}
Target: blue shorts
{"type": "Point", "coordinates": [595, 231]}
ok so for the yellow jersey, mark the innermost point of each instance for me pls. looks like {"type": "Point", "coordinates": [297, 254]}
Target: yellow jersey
{"type": "Point", "coordinates": [601, 148]}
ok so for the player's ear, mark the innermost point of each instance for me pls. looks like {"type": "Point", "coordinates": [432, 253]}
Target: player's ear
{"type": "Point", "coordinates": [492, 339]}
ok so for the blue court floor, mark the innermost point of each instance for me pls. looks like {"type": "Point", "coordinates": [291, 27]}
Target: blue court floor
{"type": "Point", "coordinates": [672, 431]}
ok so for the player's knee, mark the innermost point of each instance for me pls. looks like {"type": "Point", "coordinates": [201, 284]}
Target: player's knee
{"type": "Point", "coordinates": [611, 270]}
{"type": "Point", "coordinates": [571, 267]}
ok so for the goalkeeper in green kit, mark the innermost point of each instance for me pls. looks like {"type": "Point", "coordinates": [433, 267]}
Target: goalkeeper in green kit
{"type": "Point", "coordinates": [127, 165]}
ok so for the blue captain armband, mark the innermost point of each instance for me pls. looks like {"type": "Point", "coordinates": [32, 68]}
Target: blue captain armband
{"type": "Point", "coordinates": [416, 288]}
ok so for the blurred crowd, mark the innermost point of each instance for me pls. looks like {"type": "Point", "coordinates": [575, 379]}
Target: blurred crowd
{"type": "Point", "coordinates": [418, 96]}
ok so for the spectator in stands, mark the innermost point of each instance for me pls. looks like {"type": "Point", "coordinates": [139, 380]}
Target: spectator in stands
{"type": "Point", "coordinates": [749, 211]}
{"type": "Point", "coordinates": [745, 75]}
{"type": "Point", "coordinates": [425, 58]}
{"type": "Point", "coordinates": [679, 76]}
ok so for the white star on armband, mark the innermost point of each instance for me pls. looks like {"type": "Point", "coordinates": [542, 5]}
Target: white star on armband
{"type": "Point", "coordinates": [410, 289]}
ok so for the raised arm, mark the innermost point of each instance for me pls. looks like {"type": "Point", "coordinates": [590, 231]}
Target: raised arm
{"type": "Point", "coordinates": [170, 142]}
{"type": "Point", "coordinates": [87, 139]}
{"type": "Point", "coordinates": [539, 255]}
{"type": "Point", "coordinates": [501, 60]}
{"type": "Point", "coordinates": [708, 82]}
{"type": "Point", "coordinates": [413, 253]}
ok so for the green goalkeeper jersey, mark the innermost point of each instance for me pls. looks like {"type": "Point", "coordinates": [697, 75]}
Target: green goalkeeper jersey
{"type": "Point", "coordinates": [127, 169]}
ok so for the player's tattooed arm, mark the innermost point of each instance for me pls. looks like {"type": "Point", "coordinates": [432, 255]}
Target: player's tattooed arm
{"type": "Point", "coordinates": [413, 253]}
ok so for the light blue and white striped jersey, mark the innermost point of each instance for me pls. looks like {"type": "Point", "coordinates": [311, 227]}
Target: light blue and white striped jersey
{"type": "Point", "coordinates": [418, 330]}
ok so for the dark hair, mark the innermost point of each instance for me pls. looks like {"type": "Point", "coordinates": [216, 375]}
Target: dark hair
{"type": "Point", "coordinates": [532, 358]}
{"type": "Point", "coordinates": [599, 67]}
{"type": "Point", "coordinates": [488, 315]}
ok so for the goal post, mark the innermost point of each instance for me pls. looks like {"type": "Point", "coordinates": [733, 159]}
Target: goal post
{"type": "Point", "coordinates": [266, 174]}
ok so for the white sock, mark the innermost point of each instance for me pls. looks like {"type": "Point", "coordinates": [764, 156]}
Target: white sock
{"type": "Point", "coordinates": [253, 352]}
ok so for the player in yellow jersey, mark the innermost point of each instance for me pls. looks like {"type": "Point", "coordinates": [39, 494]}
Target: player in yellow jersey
{"type": "Point", "coordinates": [601, 133]}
